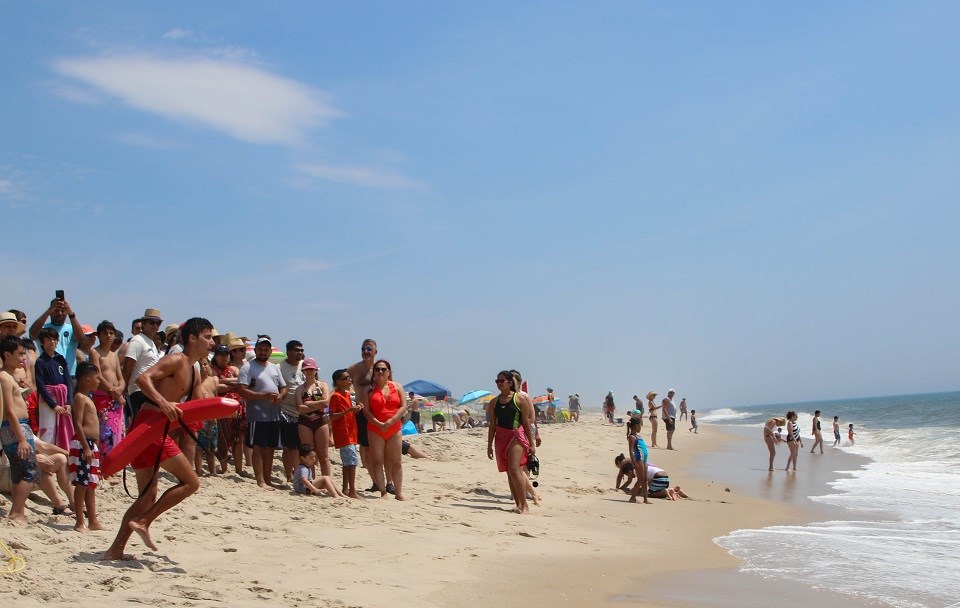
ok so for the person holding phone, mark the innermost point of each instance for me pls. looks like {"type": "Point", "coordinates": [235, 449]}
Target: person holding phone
{"type": "Point", "coordinates": [63, 321]}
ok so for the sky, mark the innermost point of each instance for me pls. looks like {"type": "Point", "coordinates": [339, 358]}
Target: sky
{"type": "Point", "coordinates": [752, 202]}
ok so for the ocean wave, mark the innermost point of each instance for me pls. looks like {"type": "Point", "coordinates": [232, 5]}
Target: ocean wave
{"type": "Point", "coordinates": [725, 413]}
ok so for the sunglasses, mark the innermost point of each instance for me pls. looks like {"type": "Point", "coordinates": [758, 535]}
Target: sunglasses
{"type": "Point", "coordinates": [501, 380]}
{"type": "Point", "coordinates": [152, 322]}
{"type": "Point", "coordinates": [366, 349]}
{"type": "Point", "coordinates": [380, 369]}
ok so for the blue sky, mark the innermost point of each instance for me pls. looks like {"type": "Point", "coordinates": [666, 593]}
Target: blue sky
{"type": "Point", "coordinates": [752, 202]}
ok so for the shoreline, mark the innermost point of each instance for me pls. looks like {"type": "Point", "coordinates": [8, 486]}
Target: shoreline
{"type": "Point", "coordinates": [232, 543]}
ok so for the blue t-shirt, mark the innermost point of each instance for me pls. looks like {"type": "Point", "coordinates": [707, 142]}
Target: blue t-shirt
{"type": "Point", "coordinates": [262, 378]}
{"type": "Point", "coordinates": [67, 346]}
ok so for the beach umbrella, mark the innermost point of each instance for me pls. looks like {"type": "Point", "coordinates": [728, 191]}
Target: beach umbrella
{"type": "Point", "coordinates": [541, 400]}
{"type": "Point", "coordinates": [472, 396]}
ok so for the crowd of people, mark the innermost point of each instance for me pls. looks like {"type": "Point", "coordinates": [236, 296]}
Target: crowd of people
{"type": "Point", "coordinates": [779, 430]}
{"type": "Point", "coordinates": [71, 392]}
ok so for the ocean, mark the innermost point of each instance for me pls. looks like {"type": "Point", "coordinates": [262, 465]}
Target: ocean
{"type": "Point", "coordinates": [900, 541]}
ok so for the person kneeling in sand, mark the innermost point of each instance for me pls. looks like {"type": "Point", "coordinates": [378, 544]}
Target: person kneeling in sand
{"type": "Point", "coordinates": [659, 484]}
{"type": "Point", "coordinates": [304, 480]}
{"type": "Point", "coordinates": [164, 385]}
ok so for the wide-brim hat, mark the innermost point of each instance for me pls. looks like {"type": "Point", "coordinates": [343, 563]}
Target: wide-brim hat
{"type": "Point", "coordinates": [236, 343]}
{"type": "Point", "coordinates": [652, 395]}
{"type": "Point", "coordinates": [169, 329]}
{"type": "Point", "coordinates": [9, 317]}
{"type": "Point", "coordinates": [151, 314]}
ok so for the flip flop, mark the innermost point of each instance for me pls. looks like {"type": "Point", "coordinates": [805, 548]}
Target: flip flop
{"type": "Point", "coordinates": [64, 510]}
{"type": "Point", "coordinates": [391, 489]}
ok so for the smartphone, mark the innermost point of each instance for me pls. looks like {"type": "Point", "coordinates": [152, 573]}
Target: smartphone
{"type": "Point", "coordinates": [253, 383]}
{"type": "Point", "coordinates": [59, 294]}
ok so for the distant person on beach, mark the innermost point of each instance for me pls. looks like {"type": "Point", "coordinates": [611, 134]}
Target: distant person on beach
{"type": "Point", "coordinates": [669, 412]}
{"type": "Point", "coordinates": [836, 431]}
{"type": "Point", "coordinates": [638, 459]}
{"type": "Point", "coordinates": [652, 409]}
{"type": "Point", "coordinates": [573, 406]}
{"type": "Point", "coordinates": [771, 438]}
{"type": "Point", "coordinates": [683, 409]}
{"type": "Point", "coordinates": [638, 409]}
{"type": "Point", "coordinates": [609, 407]}
{"type": "Point", "coordinates": [793, 439]}
{"type": "Point", "coordinates": [850, 433]}
{"type": "Point", "coordinates": [414, 405]}
{"type": "Point", "coordinates": [693, 422]}
{"type": "Point", "coordinates": [510, 436]}
{"type": "Point", "coordinates": [816, 432]}
{"type": "Point", "coordinates": [164, 386]}
{"type": "Point", "coordinates": [439, 422]}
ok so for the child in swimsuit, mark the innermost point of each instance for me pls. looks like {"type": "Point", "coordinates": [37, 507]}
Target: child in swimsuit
{"type": "Point", "coordinates": [850, 433]}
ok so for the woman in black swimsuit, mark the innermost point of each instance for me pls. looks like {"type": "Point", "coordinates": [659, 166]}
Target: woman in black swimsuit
{"type": "Point", "coordinates": [793, 439]}
{"type": "Point", "coordinates": [652, 407]}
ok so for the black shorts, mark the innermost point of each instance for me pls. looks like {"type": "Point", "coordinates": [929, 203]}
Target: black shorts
{"type": "Point", "coordinates": [404, 447]}
{"type": "Point", "coordinates": [289, 436]}
{"type": "Point", "coordinates": [670, 423]}
{"type": "Point", "coordinates": [263, 435]}
{"type": "Point", "coordinates": [362, 430]}
{"type": "Point", "coordinates": [415, 418]}
{"type": "Point", "coordinates": [135, 401]}
{"type": "Point", "coordinates": [439, 418]}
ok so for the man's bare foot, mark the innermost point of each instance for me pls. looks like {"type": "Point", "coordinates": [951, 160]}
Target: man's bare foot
{"type": "Point", "coordinates": [144, 532]}
{"type": "Point", "coordinates": [266, 486]}
{"type": "Point", "coordinates": [384, 495]}
{"type": "Point", "coordinates": [632, 499]}
{"type": "Point", "coordinates": [17, 520]}
{"type": "Point", "coordinates": [112, 555]}
{"type": "Point", "coordinates": [353, 495]}
{"type": "Point", "coordinates": [95, 525]}
{"type": "Point", "coordinates": [80, 527]}
{"type": "Point", "coordinates": [399, 496]}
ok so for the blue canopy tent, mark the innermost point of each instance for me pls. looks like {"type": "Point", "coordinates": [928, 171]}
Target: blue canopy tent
{"type": "Point", "coordinates": [427, 388]}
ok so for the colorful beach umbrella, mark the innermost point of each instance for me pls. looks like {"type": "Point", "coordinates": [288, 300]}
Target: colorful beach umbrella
{"type": "Point", "coordinates": [472, 396]}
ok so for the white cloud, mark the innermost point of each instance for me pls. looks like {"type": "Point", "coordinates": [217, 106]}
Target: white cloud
{"type": "Point", "coordinates": [297, 265]}
{"type": "Point", "coordinates": [177, 33]}
{"type": "Point", "coordinates": [7, 188]}
{"type": "Point", "coordinates": [242, 101]}
{"type": "Point", "coordinates": [363, 176]}
{"type": "Point", "coordinates": [144, 140]}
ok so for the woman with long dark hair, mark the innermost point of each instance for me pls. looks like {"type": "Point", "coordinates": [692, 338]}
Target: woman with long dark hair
{"type": "Point", "coordinates": [511, 429]}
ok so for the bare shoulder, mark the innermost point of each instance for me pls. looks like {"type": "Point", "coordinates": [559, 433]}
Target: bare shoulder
{"type": "Point", "coordinates": [82, 400]}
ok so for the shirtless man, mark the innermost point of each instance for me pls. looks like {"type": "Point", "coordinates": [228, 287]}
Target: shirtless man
{"type": "Point", "coordinates": [164, 386]}
{"type": "Point", "coordinates": [362, 374]}
{"type": "Point", "coordinates": [108, 397]}
{"type": "Point", "coordinates": [668, 410]}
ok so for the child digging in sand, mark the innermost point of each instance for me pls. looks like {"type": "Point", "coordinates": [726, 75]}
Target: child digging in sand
{"type": "Point", "coordinates": [304, 481]}
{"type": "Point", "coordinates": [624, 470]}
{"type": "Point", "coordinates": [84, 451]}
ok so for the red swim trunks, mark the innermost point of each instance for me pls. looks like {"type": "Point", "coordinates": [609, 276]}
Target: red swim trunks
{"type": "Point", "coordinates": [167, 448]}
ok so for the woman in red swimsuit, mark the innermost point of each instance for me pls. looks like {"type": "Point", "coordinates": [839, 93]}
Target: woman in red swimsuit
{"type": "Point", "coordinates": [384, 412]}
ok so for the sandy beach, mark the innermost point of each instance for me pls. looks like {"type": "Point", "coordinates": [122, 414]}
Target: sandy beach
{"type": "Point", "coordinates": [452, 544]}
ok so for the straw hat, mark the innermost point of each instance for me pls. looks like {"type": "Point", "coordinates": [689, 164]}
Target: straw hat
{"type": "Point", "coordinates": [237, 343]}
{"type": "Point", "coordinates": [9, 317]}
{"type": "Point", "coordinates": [651, 395]}
{"type": "Point", "coordinates": [151, 314]}
{"type": "Point", "coordinates": [169, 329]}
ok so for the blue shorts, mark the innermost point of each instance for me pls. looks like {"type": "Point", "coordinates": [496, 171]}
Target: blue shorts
{"type": "Point", "coordinates": [349, 456]}
{"type": "Point", "coordinates": [21, 469]}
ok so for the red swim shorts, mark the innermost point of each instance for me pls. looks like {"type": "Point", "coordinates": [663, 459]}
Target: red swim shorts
{"type": "Point", "coordinates": [167, 448]}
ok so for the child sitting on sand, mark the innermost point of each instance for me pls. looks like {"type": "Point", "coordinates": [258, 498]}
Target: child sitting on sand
{"type": "Point", "coordinates": [625, 470]}
{"type": "Point", "coordinates": [303, 476]}
{"type": "Point", "coordinates": [84, 459]}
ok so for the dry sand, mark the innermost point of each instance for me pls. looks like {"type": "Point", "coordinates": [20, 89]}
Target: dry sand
{"type": "Point", "coordinates": [454, 543]}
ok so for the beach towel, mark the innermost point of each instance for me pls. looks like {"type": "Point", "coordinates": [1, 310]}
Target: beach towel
{"type": "Point", "coordinates": [110, 413]}
{"type": "Point", "coordinates": [55, 428]}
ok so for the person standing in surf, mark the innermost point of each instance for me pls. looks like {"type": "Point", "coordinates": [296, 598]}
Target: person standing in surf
{"type": "Point", "coordinates": [171, 381]}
